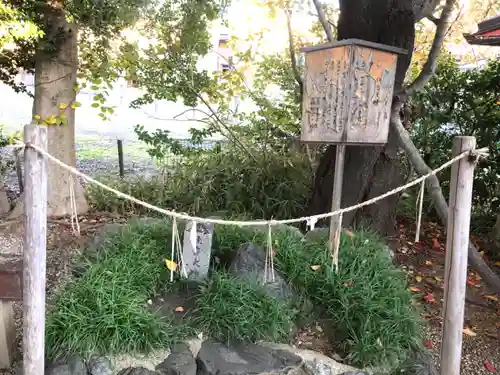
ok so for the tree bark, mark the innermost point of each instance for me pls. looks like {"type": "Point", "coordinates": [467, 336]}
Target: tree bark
{"type": "Point", "coordinates": [369, 171]}
{"type": "Point", "coordinates": [55, 79]}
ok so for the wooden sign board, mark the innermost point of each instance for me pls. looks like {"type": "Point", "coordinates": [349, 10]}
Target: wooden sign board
{"type": "Point", "coordinates": [348, 92]}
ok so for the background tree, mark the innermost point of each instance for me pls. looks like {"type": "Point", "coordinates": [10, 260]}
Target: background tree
{"type": "Point", "coordinates": [93, 26]}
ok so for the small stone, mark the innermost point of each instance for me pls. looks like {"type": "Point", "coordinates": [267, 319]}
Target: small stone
{"type": "Point", "coordinates": [136, 371]}
{"type": "Point", "coordinates": [100, 366]}
{"type": "Point", "coordinates": [179, 362]}
{"type": "Point", "coordinates": [249, 265]}
{"type": "Point", "coordinates": [73, 366]}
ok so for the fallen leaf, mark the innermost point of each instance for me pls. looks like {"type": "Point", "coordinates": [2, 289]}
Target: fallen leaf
{"type": "Point", "coordinates": [489, 366]}
{"type": "Point", "coordinates": [469, 332]}
{"type": "Point", "coordinates": [316, 267]}
{"type": "Point", "coordinates": [497, 264]}
{"type": "Point", "coordinates": [471, 283]}
{"type": "Point", "coordinates": [437, 278]}
{"type": "Point", "coordinates": [481, 253]}
{"type": "Point", "coordinates": [428, 263]}
{"type": "Point", "coordinates": [348, 283]}
{"type": "Point", "coordinates": [427, 316]}
{"type": "Point", "coordinates": [179, 309]}
{"type": "Point", "coordinates": [491, 298]}
{"type": "Point", "coordinates": [429, 298]}
{"type": "Point", "coordinates": [414, 289]}
{"type": "Point", "coordinates": [172, 266]}
{"type": "Point", "coordinates": [428, 344]}
{"type": "Point", "coordinates": [435, 243]}
{"type": "Point", "coordinates": [419, 279]}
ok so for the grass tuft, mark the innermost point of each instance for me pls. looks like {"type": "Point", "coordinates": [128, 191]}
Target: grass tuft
{"type": "Point", "coordinates": [231, 309]}
{"type": "Point", "coordinates": [105, 310]}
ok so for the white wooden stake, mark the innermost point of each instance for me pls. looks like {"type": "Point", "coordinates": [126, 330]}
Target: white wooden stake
{"type": "Point", "coordinates": [35, 246]}
{"type": "Point", "coordinates": [457, 242]}
{"type": "Point", "coordinates": [338, 179]}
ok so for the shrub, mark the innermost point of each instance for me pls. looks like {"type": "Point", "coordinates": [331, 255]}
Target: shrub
{"type": "Point", "coordinates": [275, 185]}
{"type": "Point", "coordinates": [461, 103]}
{"type": "Point", "coordinates": [366, 302]}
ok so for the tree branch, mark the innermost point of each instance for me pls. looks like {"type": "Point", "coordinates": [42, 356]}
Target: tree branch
{"type": "Point", "coordinates": [293, 58]}
{"type": "Point", "coordinates": [434, 20]}
{"type": "Point", "coordinates": [434, 189]}
{"type": "Point", "coordinates": [323, 20]}
{"type": "Point", "coordinates": [430, 65]}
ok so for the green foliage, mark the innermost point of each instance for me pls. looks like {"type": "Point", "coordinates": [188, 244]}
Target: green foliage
{"type": "Point", "coordinates": [366, 302]}
{"type": "Point", "coordinates": [105, 310]}
{"type": "Point", "coordinates": [273, 185]}
{"type": "Point", "coordinates": [229, 308]}
{"type": "Point", "coordinates": [461, 103]}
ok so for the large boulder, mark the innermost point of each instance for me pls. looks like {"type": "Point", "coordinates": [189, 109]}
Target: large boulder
{"type": "Point", "coordinates": [215, 358]}
{"type": "Point", "coordinates": [249, 264]}
{"type": "Point", "coordinates": [137, 371]}
{"type": "Point", "coordinates": [313, 363]}
{"type": "Point", "coordinates": [100, 366]}
{"type": "Point", "coordinates": [74, 365]}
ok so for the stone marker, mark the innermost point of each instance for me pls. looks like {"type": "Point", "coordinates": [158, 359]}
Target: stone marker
{"type": "Point", "coordinates": [196, 250]}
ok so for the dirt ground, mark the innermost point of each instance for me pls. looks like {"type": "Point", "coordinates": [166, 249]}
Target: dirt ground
{"type": "Point", "coordinates": [424, 263]}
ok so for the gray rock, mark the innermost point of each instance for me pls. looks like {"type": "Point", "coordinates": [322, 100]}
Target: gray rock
{"type": "Point", "coordinates": [100, 366]}
{"type": "Point", "coordinates": [72, 366]}
{"type": "Point", "coordinates": [422, 363]}
{"type": "Point", "coordinates": [249, 264]}
{"type": "Point", "coordinates": [137, 371]}
{"type": "Point", "coordinates": [215, 358]}
{"type": "Point", "coordinates": [356, 373]}
{"type": "Point", "coordinates": [314, 363]}
{"type": "Point", "coordinates": [179, 362]}
{"type": "Point", "coordinates": [317, 234]}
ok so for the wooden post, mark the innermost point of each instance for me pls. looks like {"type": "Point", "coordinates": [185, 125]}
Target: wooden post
{"type": "Point", "coordinates": [338, 179]}
{"type": "Point", "coordinates": [7, 334]}
{"type": "Point", "coordinates": [457, 242]}
{"type": "Point", "coordinates": [35, 246]}
{"type": "Point", "coordinates": [120, 157]}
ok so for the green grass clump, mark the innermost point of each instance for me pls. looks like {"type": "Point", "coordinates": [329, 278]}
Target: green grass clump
{"type": "Point", "coordinates": [366, 302]}
{"type": "Point", "coordinates": [105, 310]}
{"type": "Point", "coordinates": [229, 308]}
{"type": "Point", "coordinates": [266, 185]}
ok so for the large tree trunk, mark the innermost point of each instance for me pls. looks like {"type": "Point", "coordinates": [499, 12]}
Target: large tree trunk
{"type": "Point", "coordinates": [369, 171]}
{"type": "Point", "coordinates": [55, 79]}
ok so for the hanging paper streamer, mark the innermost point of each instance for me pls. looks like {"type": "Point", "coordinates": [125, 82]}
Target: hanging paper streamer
{"type": "Point", "coordinates": [75, 224]}
{"type": "Point", "coordinates": [311, 223]}
{"type": "Point", "coordinates": [172, 252]}
{"type": "Point", "coordinates": [270, 251]}
{"type": "Point", "coordinates": [336, 246]}
{"type": "Point", "coordinates": [420, 205]}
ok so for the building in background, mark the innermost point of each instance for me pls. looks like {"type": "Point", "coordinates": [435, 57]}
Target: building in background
{"type": "Point", "coordinates": [15, 110]}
